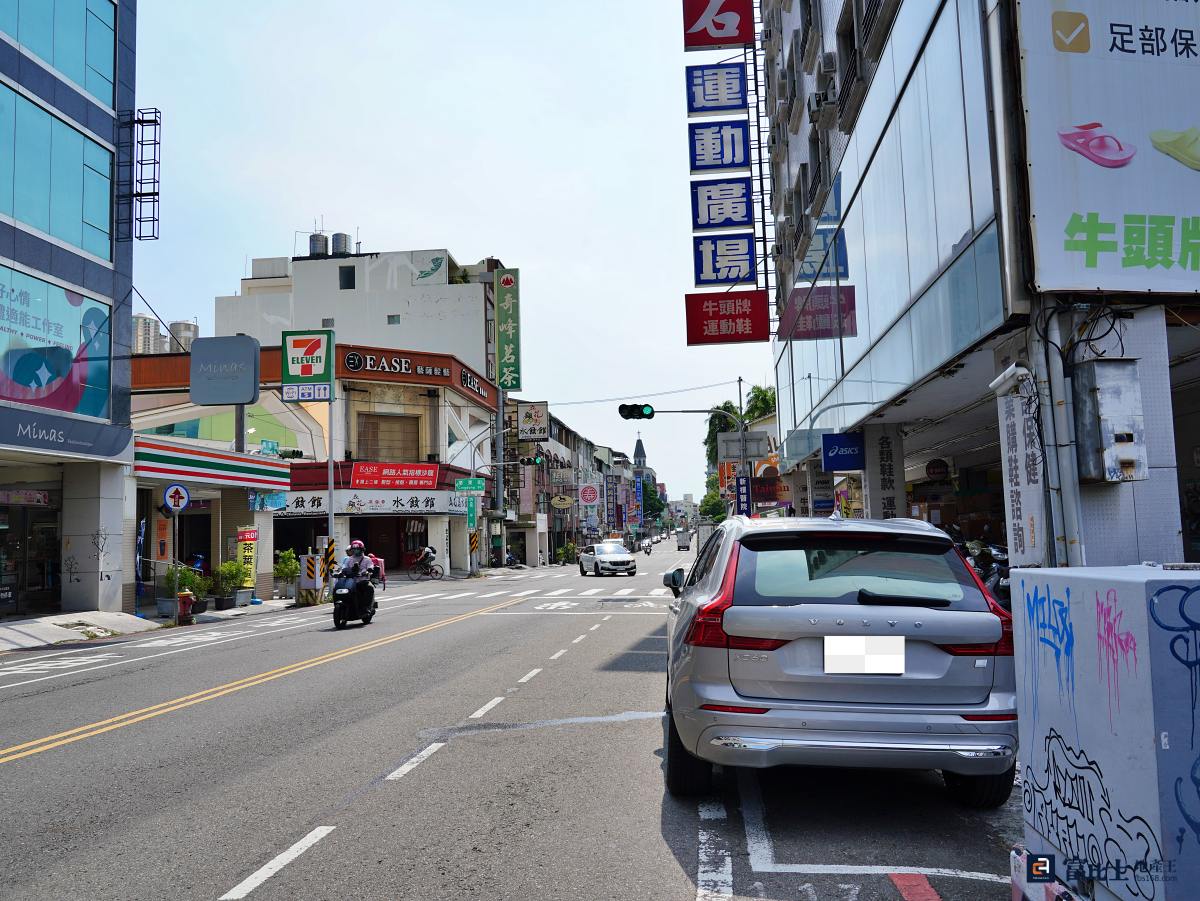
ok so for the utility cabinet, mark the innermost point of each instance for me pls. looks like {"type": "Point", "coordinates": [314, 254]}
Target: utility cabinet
{"type": "Point", "coordinates": [1110, 435]}
{"type": "Point", "coordinates": [1107, 660]}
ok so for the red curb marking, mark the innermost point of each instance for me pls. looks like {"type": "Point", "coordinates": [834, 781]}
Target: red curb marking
{"type": "Point", "coordinates": [914, 887]}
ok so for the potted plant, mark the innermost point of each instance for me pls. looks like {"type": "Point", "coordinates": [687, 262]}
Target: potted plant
{"type": "Point", "coordinates": [287, 570]}
{"type": "Point", "coordinates": [230, 576]}
{"type": "Point", "coordinates": [183, 578]}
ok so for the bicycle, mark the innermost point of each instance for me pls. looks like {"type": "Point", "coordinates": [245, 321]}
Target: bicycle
{"type": "Point", "coordinates": [425, 570]}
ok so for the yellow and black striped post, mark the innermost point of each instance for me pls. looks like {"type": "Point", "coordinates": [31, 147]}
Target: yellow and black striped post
{"type": "Point", "coordinates": [329, 562]}
{"type": "Point", "coordinates": [474, 542]}
{"type": "Point", "coordinates": [311, 568]}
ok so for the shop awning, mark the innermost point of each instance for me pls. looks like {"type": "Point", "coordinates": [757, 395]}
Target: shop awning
{"type": "Point", "coordinates": [173, 461]}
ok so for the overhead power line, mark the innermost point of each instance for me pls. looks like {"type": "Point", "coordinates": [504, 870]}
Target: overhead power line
{"type": "Point", "coordinates": [639, 394]}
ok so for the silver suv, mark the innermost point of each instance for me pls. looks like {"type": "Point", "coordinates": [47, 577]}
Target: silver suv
{"type": "Point", "coordinates": [839, 642]}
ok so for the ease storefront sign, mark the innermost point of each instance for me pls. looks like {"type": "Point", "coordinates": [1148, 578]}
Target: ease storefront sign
{"type": "Point", "coordinates": [842, 452]}
{"type": "Point", "coordinates": [375, 364]}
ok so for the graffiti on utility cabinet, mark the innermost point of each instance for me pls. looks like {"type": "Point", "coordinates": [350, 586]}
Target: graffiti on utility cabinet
{"type": "Point", "coordinates": [1116, 647]}
{"type": "Point", "coordinates": [1051, 631]}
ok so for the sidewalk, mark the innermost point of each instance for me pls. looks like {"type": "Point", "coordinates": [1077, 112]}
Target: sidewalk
{"type": "Point", "coordinates": [59, 628]}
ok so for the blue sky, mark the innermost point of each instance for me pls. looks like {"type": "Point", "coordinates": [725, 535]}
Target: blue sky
{"type": "Point", "coordinates": [551, 135]}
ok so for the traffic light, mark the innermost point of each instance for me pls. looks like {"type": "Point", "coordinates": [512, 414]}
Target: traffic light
{"type": "Point", "coordinates": [636, 411]}
{"type": "Point", "coordinates": [537, 459]}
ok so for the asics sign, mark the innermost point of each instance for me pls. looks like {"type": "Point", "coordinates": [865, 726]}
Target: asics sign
{"type": "Point", "coordinates": [842, 452]}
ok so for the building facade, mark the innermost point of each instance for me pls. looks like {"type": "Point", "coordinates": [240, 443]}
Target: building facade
{"type": "Point", "coordinates": [414, 299]}
{"type": "Point", "coordinates": [66, 88]}
{"type": "Point", "coordinates": [911, 276]}
{"type": "Point", "coordinates": [406, 425]}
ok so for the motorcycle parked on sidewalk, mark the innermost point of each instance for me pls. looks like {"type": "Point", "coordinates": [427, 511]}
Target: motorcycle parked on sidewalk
{"type": "Point", "coordinates": [352, 598]}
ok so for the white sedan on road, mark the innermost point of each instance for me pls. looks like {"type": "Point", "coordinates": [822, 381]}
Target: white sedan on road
{"type": "Point", "coordinates": [606, 557]}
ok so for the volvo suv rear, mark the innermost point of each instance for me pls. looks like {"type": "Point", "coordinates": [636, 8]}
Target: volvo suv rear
{"type": "Point", "coordinates": [838, 642]}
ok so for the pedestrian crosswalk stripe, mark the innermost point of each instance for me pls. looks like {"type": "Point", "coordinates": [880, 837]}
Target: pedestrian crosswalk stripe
{"type": "Point", "coordinates": [493, 594]}
{"type": "Point", "coordinates": [521, 594]}
{"type": "Point", "coordinates": [560, 591]}
{"type": "Point", "coordinates": [590, 591]}
{"type": "Point", "coordinates": [462, 594]}
{"type": "Point", "coordinates": [625, 591]}
{"type": "Point", "coordinates": [658, 592]}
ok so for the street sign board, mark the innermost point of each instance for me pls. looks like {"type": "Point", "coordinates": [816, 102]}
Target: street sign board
{"type": "Point", "coordinates": [471, 514]}
{"type": "Point", "coordinates": [533, 422]}
{"type": "Point", "coordinates": [743, 495]}
{"type": "Point", "coordinates": [562, 502]}
{"type": "Point", "coordinates": [469, 486]}
{"type": "Point", "coordinates": [842, 452]}
{"type": "Point", "coordinates": [223, 371]}
{"type": "Point", "coordinates": [306, 370]}
{"type": "Point", "coordinates": [508, 328]}
{"type": "Point", "coordinates": [729, 446]}
{"type": "Point", "coordinates": [589, 495]}
{"type": "Point", "coordinates": [176, 497]}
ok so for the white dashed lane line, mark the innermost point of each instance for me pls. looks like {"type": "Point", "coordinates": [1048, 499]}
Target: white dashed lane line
{"type": "Point", "coordinates": [579, 639]}
{"type": "Point", "coordinates": [258, 877]}
{"type": "Point", "coordinates": [485, 708]}
{"type": "Point", "coordinates": [416, 760]}
{"type": "Point", "coordinates": [558, 654]}
{"type": "Point", "coordinates": [529, 675]}
{"type": "Point", "coordinates": [594, 628]}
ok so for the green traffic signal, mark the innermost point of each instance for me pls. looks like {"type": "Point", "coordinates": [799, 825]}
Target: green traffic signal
{"type": "Point", "coordinates": [636, 411]}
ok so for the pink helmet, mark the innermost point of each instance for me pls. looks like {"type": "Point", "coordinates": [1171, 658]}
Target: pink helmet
{"type": "Point", "coordinates": [357, 545]}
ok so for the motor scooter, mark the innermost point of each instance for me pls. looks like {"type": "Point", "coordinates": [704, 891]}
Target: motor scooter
{"type": "Point", "coordinates": [352, 598]}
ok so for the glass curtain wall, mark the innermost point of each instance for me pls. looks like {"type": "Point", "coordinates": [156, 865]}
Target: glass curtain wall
{"type": "Point", "coordinates": [911, 275]}
{"type": "Point", "coordinates": [76, 37]}
{"type": "Point", "coordinates": [52, 177]}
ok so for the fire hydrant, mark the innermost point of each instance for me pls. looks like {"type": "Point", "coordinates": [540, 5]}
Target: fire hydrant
{"type": "Point", "coordinates": [184, 616]}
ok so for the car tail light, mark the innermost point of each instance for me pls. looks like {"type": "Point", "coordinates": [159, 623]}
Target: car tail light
{"type": "Point", "coordinates": [1001, 648]}
{"type": "Point", "coordinates": [708, 628]}
{"type": "Point", "coordinates": [733, 708]}
{"type": "Point", "coordinates": [989, 717]}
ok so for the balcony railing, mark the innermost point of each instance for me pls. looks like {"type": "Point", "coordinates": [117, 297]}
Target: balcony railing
{"type": "Point", "coordinates": [814, 184]}
{"type": "Point", "coordinates": [849, 77]}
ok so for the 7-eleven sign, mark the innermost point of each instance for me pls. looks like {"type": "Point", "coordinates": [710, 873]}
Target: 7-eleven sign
{"type": "Point", "coordinates": [307, 365]}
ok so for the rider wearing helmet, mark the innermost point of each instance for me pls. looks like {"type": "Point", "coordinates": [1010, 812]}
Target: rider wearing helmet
{"type": "Point", "coordinates": [356, 555]}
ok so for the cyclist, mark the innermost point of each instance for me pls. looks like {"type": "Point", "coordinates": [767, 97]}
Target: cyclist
{"type": "Point", "coordinates": [427, 557]}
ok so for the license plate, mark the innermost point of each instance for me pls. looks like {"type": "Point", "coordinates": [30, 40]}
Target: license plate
{"type": "Point", "coordinates": [864, 654]}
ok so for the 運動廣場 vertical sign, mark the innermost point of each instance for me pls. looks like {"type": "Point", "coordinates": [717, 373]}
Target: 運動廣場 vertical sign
{"type": "Point", "coordinates": [638, 489]}
{"type": "Point", "coordinates": [306, 365]}
{"type": "Point", "coordinates": [508, 329]}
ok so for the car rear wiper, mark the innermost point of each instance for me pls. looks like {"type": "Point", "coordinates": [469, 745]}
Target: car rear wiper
{"type": "Point", "coordinates": [899, 600]}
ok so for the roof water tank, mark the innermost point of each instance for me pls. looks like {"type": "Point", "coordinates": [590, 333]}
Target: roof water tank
{"type": "Point", "coordinates": [341, 244]}
{"type": "Point", "coordinates": [318, 245]}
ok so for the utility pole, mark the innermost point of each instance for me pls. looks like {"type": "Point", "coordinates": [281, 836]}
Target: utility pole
{"type": "Point", "coordinates": [498, 453]}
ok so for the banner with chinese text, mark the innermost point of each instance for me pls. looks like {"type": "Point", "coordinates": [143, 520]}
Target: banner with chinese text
{"type": "Point", "coordinates": [1112, 144]}
{"type": "Point", "coordinates": [508, 329]}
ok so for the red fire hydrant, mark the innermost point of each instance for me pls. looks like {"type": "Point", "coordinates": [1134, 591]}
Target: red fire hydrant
{"type": "Point", "coordinates": [184, 616]}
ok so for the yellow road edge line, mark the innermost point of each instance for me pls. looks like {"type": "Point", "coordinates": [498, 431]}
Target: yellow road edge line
{"type": "Point", "coordinates": [26, 749]}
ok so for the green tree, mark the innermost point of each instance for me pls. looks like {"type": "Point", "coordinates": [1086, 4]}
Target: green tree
{"type": "Point", "coordinates": [652, 505]}
{"type": "Point", "coordinates": [760, 402]}
{"type": "Point", "coordinates": [718, 424]}
{"type": "Point", "coordinates": [712, 507]}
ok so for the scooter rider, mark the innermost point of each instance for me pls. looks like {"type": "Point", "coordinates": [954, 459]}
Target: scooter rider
{"type": "Point", "coordinates": [356, 555]}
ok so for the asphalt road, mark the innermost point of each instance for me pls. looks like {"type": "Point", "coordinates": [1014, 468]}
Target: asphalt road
{"type": "Point", "coordinates": [495, 738]}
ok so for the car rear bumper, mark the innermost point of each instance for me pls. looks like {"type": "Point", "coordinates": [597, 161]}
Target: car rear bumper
{"type": "Point", "coordinates": [883, 736]}
{"type": "Point", "coordinates": [764, 747]}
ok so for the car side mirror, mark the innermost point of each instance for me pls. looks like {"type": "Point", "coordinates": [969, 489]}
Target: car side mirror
{"type": "Point", "coordinates": [674, 581]}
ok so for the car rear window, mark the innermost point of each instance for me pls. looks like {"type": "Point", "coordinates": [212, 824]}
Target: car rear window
{"type": "Point", "coordinates": [784, 570]}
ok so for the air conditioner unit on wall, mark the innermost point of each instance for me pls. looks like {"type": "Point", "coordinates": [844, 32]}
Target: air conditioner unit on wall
{"type": "Point", "coordinates": [822, 110]}
{"type": "Point", "coordinates": [796, 114]}
{"type": "Point", "coordinates": [829, 64]}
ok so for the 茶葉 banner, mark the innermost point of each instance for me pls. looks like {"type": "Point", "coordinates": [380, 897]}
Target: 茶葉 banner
{"type": "Point", "coordinates": [1112, 143]}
